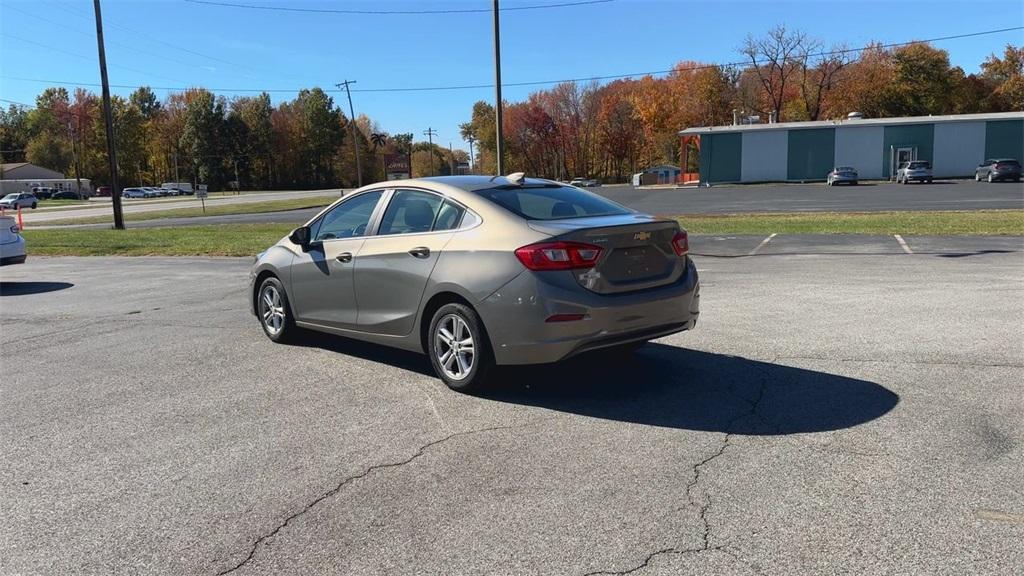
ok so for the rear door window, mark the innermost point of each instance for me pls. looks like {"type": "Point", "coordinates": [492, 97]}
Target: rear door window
{"type": "Point", "coordinates": [410, 212]}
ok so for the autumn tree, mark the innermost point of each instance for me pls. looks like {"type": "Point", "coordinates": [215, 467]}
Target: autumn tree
{"type": "Point", "coordinates": [775, 62]}
{"type": "Point", "coordinates": [1006, 77]}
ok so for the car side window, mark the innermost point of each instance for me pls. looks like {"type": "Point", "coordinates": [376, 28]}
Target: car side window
{"type": "Point", "coordinates": [348, 219]}
{"type": "Point", "coordinates": [449, 217]}
{"type": "Point", "coordinates": [410, 212]}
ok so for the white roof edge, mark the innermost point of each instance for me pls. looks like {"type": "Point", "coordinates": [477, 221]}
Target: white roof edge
{"type": "Point", "coordinates": [856, 122]}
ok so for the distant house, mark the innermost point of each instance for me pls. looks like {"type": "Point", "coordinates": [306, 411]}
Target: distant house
{"type": "Point", "coordinates": [26, 171]}
{"type": "Point", "coordinates": [23, 177]}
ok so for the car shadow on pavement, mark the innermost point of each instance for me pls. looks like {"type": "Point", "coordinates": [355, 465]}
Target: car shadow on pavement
{"type": "Point", "coordinates": [403, 359]}
{"type": "Point", "coordinates": [687, 389]}
{"type": "Point", "coordinates": [26, 288]}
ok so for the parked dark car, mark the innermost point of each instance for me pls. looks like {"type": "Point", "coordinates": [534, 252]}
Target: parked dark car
{"type": "Point", "coordinates": [68, 195]}
{"type": "Point", "coordinates": [103, 191]}
{"type": "Point", "coordinates": [998, 169]}
{"type": "Point", "coordinates": [42, 192]}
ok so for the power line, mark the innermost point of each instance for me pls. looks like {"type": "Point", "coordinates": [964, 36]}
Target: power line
{"type": "Point", "coordinates": [536, 82]}
{"type": "Point", "coordinates": [76, 55]}
{"type": "Point", "coordinates": [148, 37]}
{"type": "Point", "coordinates": [92, 34]}
{"type": "Point", "coordinates": [394, 12]}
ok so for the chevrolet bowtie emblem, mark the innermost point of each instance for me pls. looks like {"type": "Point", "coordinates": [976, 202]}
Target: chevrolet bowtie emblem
{"type": "Point", "coordinates": [642, 236]}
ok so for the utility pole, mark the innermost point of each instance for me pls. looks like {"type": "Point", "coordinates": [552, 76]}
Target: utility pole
{"type": "Point", "coordinates": [238, 183]}
{"type": "Point", "coordinates": [472, 159]}
{"type": "Point", "coordinates": [352, 125]}
{"type": "Point", "coordinates": [430, 133]}
{"type": "Point", "coordinates": [497, 92]}
{"type": "Point", "coordinates": [451, 160]}
{"type": "Point", "coordinates": [74, 159]}
{"type": "Point", "coordinates": [115, 193]}
{"type": "Point", "coordinates": [176, 168]}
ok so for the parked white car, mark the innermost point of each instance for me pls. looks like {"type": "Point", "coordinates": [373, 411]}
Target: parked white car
{"type": "Point", "coordinates": [584, 182]}
{"type": "Point", "coordinates": [12, 244]}
{"type": "Point", "coordinates": [16, 200]}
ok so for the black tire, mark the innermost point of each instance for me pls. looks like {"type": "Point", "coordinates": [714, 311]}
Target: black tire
{"type": "Point", "coordinates": [280, 325]}
{"type": "Point", "coordinates": [482, 359]}
{"type": "Point", "coordinates": [854, 183]}
{"type": "Point", "coordinates": [33, 205]}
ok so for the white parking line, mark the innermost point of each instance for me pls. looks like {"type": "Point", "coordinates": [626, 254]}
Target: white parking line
{"type": "Point", "coordinates": [761, 245]}
{"type": "Point", "coordinates": [903, 243]}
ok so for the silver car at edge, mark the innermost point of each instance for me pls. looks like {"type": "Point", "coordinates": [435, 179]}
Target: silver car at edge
{"type": "Point", "coordinates": [478, 271]}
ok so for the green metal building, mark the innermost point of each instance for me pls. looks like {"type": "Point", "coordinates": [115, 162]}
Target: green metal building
{"type": "Point", "coordinates": [807, 151]}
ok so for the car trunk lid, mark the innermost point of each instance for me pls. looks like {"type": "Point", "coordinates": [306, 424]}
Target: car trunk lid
{"type": "Point", "coordinates": [636, 249]}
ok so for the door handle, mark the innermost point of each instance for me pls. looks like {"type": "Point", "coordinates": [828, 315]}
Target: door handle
{"type": "Point", "coordinates": [344, 257]}
{"type": "Point", "coordinates": [420, 252]}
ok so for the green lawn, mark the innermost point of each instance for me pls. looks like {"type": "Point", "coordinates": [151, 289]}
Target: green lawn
{"type": "Point", "coordinates": [249, 239]}
{"type": "Point", "coordinates": [223, 240]}
{"type": "Point", "coordinates": [212, 210]}
{"type": "Point", "coordinates": [968, 223]}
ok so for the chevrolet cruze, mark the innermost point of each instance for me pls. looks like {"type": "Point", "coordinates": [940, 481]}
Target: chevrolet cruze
{"type": "Point", "coordinates": [479, 271]}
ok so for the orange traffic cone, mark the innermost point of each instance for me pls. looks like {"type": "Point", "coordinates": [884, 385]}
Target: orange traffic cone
{"type": "Point", "coordinates": [21, 225]}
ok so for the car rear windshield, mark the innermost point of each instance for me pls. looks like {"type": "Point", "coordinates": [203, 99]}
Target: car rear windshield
{"type": "Point", "coordinates": [1007, 163]}
{"type": "Point", "coordinates": [845, 169]}
{"type": "Point", "coordinates": [920, 164]}
{"type": "Point", "coordinates": [551, 202]}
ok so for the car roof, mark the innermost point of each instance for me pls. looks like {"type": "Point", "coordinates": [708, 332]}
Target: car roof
{"type": "Point", "coordinates": [465, 183]}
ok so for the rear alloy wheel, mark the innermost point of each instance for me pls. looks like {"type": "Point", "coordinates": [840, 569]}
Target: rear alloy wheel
{"type": "Point", "coordinates": [273, 311]}
{"type": "Point", "coordinates": [458, 347]}
{"type": "Point", "coordinates": [989, 179]}
{"type": "Point", "coordinates": [977, 177]}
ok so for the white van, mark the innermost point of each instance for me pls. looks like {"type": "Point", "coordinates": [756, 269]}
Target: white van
{"type": "Point", "coordinates": [185, 187]}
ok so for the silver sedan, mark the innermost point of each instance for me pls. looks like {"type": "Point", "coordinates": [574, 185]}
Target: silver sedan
{"type": "Point", "coordinates": [477, 271]}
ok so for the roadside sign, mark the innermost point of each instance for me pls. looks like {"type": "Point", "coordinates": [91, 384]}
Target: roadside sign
{"type": "Point", "coordinates": [201, 191]}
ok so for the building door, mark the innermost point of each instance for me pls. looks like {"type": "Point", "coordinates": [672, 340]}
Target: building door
{"type": "Point", "coordinates": [901, 155]}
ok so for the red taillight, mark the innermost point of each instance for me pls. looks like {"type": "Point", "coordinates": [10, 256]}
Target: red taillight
{"type": "Point", "coordinates": [558, 255]}
{"type": "Point", "coordinates": [681, 243]}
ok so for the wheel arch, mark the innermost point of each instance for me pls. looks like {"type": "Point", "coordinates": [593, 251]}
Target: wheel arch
{"type": "Point", "coordinates": [432, 305]}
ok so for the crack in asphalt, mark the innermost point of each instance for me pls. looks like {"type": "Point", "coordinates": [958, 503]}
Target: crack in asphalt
{"type": "Point", "coordinates": [705, 506]}
{"type": "Point", "coordinates": [348, 480]}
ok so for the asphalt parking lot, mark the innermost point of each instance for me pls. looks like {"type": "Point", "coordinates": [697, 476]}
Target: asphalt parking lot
{"type": "Point", "coordinates": [837, 410]}
{"type": "Point", "coordinates": [719, 199]}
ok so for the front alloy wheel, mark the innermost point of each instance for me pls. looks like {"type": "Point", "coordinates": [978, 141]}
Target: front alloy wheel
{"type": "Point", "coordinates": [458, 347]}
{"type": "Point", "coordinates": [272, 308]}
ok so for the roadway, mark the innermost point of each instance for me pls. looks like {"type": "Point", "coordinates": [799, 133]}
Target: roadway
{"type": "Point", "coordinates": [807, 425]}
{"type": "Point", "coordinates": [726, 199]}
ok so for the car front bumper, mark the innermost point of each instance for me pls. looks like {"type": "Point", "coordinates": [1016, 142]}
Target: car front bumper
{"type": "Point", "coordinates": [515, 315]}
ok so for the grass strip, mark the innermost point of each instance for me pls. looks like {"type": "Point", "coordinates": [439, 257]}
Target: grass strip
{"type": "Point", "coordinates": [907, 223]}
{"type": "Point", "coordinates": [214, 210]}
{"type": "Point", "coordinates": [249, 239]}
{"type": "Point", "coordinates": [221, 240]}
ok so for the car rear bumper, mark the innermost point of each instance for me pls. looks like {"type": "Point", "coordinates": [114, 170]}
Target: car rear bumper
{"type": "Point", "coordinates": [515, 315]}
{"type": "Point", "coordinates": [12, 252]}
{"type": "Point", "coordinates": [1006, 174]}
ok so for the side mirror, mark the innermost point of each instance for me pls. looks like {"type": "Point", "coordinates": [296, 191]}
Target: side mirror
{"type": "Point", "coordinates": [300, 236]}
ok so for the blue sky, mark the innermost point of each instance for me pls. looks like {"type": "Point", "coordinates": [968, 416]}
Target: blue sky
{"type": "Point", "coordinates": [175, 43]}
